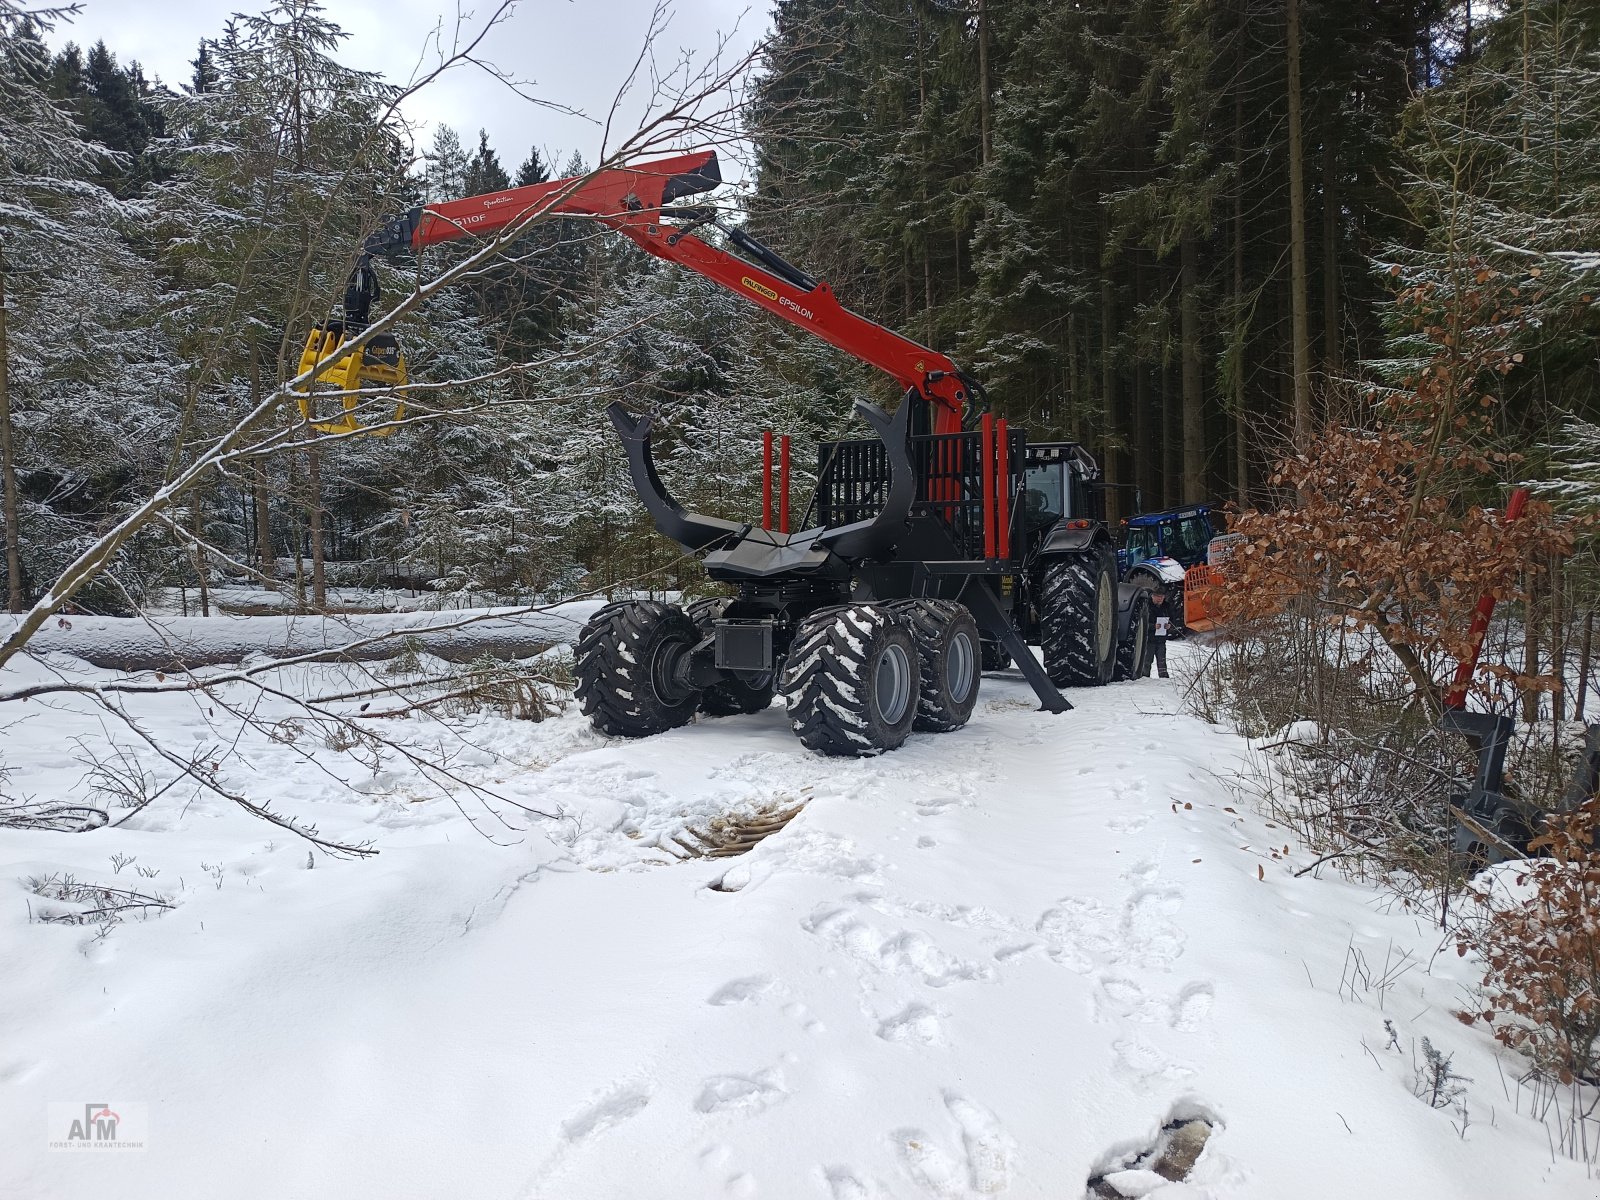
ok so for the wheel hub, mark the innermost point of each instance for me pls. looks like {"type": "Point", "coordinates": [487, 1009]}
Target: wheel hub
{"type": "Point", "coordinates": [959, 672]}
{"type": "Point", "coordinates": [892, 684]}
{"type": "Point", "coordinates": [1105, 620]}
{"type": "Point", "coordinates": [669, 672]}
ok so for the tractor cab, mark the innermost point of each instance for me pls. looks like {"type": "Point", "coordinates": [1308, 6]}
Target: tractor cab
{"type": "Point", "coordinates": [1179, 534]}
{"type": "Point", "coordinates": [1058, 486]}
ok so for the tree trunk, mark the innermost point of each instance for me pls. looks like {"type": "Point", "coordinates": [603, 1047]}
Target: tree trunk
{"type": "Point", "coordinates": [1584, 648]}
{"type": "Point", "coordinates": [1530, 654]}
{"type": "Point", "coordinates": [266, 556]}
{"type": "Point", "coordinates": [983, 81]}
{"type": "Point", "coordinates": [1241, 456]}
{"type": "Point", "coordinates": [1194, 415]}
{"type": "Point", "coordinates": [319, 590]}
{"type": "Point", "coordinates": [1300, 339]}
{"type": "Point", "coordinates": [1169, 437]}
{"type": "Point", "coordinates": [1330, 262]}
{"type": "Point", "coordinates": [1558, 650]}
{"type": "Point", "coordinates": [1527, 74]}
{"type": "Point", "coordinates": [1108, 398]}
{"type": "Point", "coordinates": [1144, 442]}
{"type": "Point", "coordinates": [1074, 388]}
{"type": "Point", "coordinates": [202, 567]}
{"type": "Point", "coordinates": [8, 464]}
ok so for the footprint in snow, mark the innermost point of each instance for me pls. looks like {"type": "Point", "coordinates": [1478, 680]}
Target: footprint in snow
{"type": "Point", "coordinates": [843, 1184]}
{"type": "Point", "coordinates": [733, 1093]}
{"type": "Point", "coordinates": [1192, 1007]}
{"type": "Point", "coordinates": [741, 991]}
{"type": "Point", "coordinates": [1149, 938]}
{"type": "Point", "coordinates": [929, 1167]}
{"type": "Point", "coordinates": [904, 952]}
{"type": "Point", "coordinates": [983, 1165]}
{"type": "Point", "coordinates": [988, 1147]}
{"type": "Point", "coordinates": [915, 1023]}
{"type": "Point", "coordinates": [1123, 998]}
{"type": "Point", "coordinates": [613, 1108]}
{"type": "Point", "coordinates": [1145, 1065]}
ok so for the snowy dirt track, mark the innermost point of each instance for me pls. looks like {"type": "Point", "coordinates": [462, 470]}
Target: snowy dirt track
{"type": "Point", "coordinates": [995, 962]}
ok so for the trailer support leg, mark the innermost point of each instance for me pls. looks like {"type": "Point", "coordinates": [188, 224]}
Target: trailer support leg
{"type": "Point", "coordinates": [982, 604]}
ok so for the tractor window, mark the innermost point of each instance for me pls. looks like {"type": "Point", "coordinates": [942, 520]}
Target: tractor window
{"type": "Point", "coordinates": [1189, 540]}
{"type": "Point", "coordinates": [1045, 501]}
{"type": "Point", "coordinates": [1143, 543]}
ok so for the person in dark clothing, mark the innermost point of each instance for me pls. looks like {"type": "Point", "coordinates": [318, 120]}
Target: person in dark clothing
{"type": "Point", "coordinates": [1158, 598]}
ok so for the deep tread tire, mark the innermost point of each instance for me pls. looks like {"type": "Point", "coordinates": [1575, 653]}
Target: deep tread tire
{"type": "Point", "coordinates": [948, 646]}
{"type": "Point", "coordinates": [618, 652]}
{"type": "Point", "coordinates": [734, 695]}
{"type": "Point", "coordinates": [1135, 655]}
{"type": "Point", "coordinates": [1078, 619]}
{"type": "Point", "coordinates": [835, 672]}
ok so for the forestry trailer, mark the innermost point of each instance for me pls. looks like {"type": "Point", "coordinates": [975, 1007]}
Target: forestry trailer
{"type": "Point", "coordinates": [940, 547]}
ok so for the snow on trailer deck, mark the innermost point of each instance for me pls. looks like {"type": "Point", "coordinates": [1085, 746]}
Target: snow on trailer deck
{"type": "Point", "coordinates": [995, 962]}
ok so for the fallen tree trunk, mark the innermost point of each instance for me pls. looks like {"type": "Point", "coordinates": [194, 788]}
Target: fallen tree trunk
{"type": "Point", "coordinates": [177, 644]}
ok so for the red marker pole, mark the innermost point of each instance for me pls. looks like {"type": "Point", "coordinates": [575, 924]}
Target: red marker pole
{"type": "Point", "coordinates": [988, 485]}
{"type": "Point", "coordinates": [783, 484]}
{"type": "Point", "coordinates": [1456, 695]}
{"type": "Point", "coordinates": [1003, 470]}
{"type": "Point", "coordinates": [766, 479]}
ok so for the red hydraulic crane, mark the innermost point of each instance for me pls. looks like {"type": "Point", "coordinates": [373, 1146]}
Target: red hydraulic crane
{"type": "Point", "coordinates": [634, 201]}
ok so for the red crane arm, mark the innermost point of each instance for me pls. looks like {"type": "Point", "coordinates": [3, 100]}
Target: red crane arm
{"type": "Point", "coordinates": [631, 199]}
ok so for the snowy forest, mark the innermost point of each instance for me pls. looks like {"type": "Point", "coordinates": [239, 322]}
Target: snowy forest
{"type": "Point", "coordinates": [1180, 233]}
{"type": "Point", "coordinates": [352, 673]}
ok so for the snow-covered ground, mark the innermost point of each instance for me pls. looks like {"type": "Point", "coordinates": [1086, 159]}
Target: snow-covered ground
{"type": "Point", "coordinates": [995, 962]}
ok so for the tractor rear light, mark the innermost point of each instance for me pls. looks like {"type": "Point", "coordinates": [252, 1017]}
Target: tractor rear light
{"type": "Point", "coordinates": [1079, 524]}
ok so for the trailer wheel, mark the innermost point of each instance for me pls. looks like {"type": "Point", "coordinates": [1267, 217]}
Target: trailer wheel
{"type": "Point", "coordinates": [948, 647]}
{"type": "Point", "coordinates": [1078, 618]}
{"type": "Point", "coordinates": [1135, 654]}
{"type": "Point", "coordinates": [995, 657]}
{"type": "Point", "coordinates": [735, 694]}
{"type": "Point", "coordinates": [629, 660]}
{"type": "Point", "coordinates": [851, 680]}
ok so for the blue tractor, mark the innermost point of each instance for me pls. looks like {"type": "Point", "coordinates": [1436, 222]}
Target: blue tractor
{"type": "Point", "coordinates": [1159, 548]}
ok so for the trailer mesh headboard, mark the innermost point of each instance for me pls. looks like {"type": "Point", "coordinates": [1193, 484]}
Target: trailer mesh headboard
{"type": "Point", "coordinates": [853, 477]}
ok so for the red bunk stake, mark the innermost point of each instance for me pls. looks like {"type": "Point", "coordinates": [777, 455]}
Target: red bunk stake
{"type": "Point", "coordinates": [1003, 471]}
{"type": "Point", "coordinates": [766, 479]}
{"type": "Point", "coordinates": [1456, 695]}
{"type": "Point", "coordinates": [988, 485]}
{"type": "Point", "coordinates": [783, 484]}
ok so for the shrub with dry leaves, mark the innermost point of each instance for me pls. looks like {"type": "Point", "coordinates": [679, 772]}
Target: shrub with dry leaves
{"type": "Point", "coordinates": [1379, 529]}
{"type": "Point", "coordinates": [1541, 950]}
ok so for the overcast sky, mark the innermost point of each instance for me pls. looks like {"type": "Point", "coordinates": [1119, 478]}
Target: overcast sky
{"type": "Point", "coordinates": [575, 52]}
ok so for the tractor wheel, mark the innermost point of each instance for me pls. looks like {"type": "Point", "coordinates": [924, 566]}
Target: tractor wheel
{"type": "Point", "coordinates": [995, 657]}
{"type": "Point", "coordinates": [734, 694]}
{"type": "Point", "coordinates": [629, 655]}
{"type": "Point", "coordinates": [1135, 654]}
{"type": "Point", "coordinates": [948, 649]}
{"type": "Point", "coordinates": [1078, 618]}
{"type": "Point", "coordinates": [851, 680]}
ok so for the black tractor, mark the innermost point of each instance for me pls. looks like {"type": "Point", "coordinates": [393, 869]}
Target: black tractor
{"type": "Point", "coordinates": [932, 557]}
